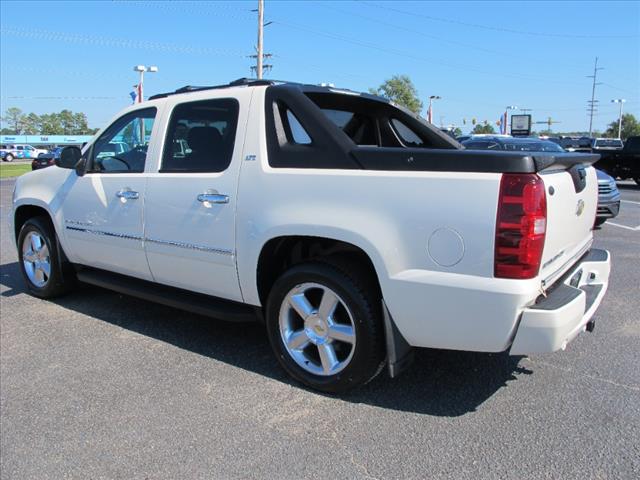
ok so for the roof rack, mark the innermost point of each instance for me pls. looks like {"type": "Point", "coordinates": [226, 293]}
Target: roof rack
{"type": "Point", "coordinates": [248, 82]}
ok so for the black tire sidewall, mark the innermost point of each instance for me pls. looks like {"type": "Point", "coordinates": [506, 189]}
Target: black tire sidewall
{"type": "Point", "coordinates": [54, 285]}
{"type": "Point", "coordinates": [8, 158]}
{"type": "Point", "coordinates": [366, 357]}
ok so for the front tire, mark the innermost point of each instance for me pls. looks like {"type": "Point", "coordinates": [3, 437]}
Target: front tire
{"type": "Point", "coordinates": [325, 327]}
{"type": "Point", "coordinates": [44, 272]}
{"type": "Point", "coordinates": [599, 222]}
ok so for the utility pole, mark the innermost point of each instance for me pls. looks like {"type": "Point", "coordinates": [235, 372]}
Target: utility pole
{"type": "Point", "coordinates": [260, 55]}
{"type": "Point", "coordinates": [593, 107]}
{"type": "Point", "coordinates": [260, 38]}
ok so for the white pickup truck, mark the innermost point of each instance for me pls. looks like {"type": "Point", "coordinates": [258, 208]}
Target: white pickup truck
{"type": "Point", "coordinates": [351, 227]}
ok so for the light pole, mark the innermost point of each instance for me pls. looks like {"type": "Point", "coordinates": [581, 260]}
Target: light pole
{"type": "Point", "coordinates": [506, 117]}
{"type": "Point", "coordinates": [141, 69]}
{"type": "Point", "coordinates": [620, 101]}
{"type": "Point", "coordinates": [430, 111]}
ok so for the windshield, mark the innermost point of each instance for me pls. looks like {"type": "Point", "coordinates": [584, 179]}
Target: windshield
{"type": "Point", "coordinates": [615, 143]}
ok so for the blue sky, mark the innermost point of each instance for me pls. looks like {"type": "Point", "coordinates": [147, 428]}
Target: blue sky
{"type": "Point", "coordinates": [478, 56]}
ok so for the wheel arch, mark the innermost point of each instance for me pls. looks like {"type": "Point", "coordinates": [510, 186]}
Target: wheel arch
{"type": "Point", "coordinates": [25, 212]}
{"type": "Point", "coordinates": [281, 252]}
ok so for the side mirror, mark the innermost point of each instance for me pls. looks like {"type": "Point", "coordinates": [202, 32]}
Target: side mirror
{"type": "Point", "coordinates": [69, 158]}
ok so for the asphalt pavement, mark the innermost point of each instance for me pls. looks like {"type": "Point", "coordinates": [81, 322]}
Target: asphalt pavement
{"type": "Point", "coordinates": [99, 385]}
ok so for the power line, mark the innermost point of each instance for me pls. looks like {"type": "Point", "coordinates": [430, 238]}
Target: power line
{"type": "Point", "coordinates": [435, 37]}
{"type": "Point", "coordinates": [400, 53]}
{"type": "Point", "coordinates": [494, 28]}
{"type": "Point", "coordinates": [114, 42]}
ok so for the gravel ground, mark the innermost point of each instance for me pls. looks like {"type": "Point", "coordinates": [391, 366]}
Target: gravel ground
{"type": "Point", "coordinates": [97, 385]}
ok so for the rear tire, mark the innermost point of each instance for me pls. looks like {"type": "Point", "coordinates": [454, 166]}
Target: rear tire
{"type": "Point", "coordinates": [8, 158]}
{"type": "Point", "coordinates": [637, 180]}
{"type": "Point", "coordinates": [44, 272]}
{"type": "Point", "coordinates": [325, 327]}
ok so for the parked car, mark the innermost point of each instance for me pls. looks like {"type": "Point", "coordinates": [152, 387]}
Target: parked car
{"type": "Point", "coordinates": [608, 198]}
{"type": "Point", "coordinates": [573, 144]}
{"type": "Point", "coordinates": [512, 144]}
{"type": "Point", "coordinates": [21, 151]}
{"type": "Point", "coordinates": [45, 160]}
{"type": "Point", "coordinates": [624, 163]}
{"type": "Point", "coordinates": [608, 194]}
{"type": "Point", "coordinates": [328, 214]}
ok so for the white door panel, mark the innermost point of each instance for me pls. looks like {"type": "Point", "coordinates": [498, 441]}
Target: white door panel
{"type": "Point", "coordinates": [104, 230]}
{"type": "Point", "coordinates": [189, 216]}
{"type": "Point", "coordinates": [103, 211]}
{"type": "Point", "coordinates": [190, 244]}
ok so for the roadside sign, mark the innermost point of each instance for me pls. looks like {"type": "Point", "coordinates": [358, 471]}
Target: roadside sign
{"type": "Point", "coordinates": [520, 125]}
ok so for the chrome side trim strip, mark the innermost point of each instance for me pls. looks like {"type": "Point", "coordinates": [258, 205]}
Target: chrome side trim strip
{"type": "Point", "coordinates": [124, 236]}
{"type": "Point", "coordinates": [191, 246]}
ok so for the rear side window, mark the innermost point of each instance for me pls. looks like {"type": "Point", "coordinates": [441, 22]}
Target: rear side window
{"type": "Point", "coordinates": [408, 136]}
{"type": "Point", "coordinates": [201, 136]}
{"type": "Point", "coordinates": [298, 134]}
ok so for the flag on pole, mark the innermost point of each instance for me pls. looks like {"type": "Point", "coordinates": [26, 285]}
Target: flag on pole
{"type": "Point", "coordinates": [133, 96]}
{"type": "Point", "coordinates": [503, 123]}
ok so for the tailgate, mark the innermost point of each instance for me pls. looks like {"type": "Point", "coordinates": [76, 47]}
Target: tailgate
{"type": "Point", "coordinates": [572, 201]}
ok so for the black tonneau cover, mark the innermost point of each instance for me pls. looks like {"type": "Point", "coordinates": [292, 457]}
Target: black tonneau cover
{"type": "Point", "coordinates": [451, 160]}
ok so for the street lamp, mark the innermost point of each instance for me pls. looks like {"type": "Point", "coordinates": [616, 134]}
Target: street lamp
{"type": "Point", "coordinates": [141, 69]}
{"type": "Point", "coordinates": [620, 101]}
{"type": "Point", "coordinates": [430, 111]}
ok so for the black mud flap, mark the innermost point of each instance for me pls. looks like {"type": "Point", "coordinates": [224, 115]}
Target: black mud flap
{"type": "Point", "coordinates": [399, 352]}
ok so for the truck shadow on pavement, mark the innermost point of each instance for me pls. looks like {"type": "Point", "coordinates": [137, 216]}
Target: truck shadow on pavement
{"type": "Point", "coordinates": [439, 383]}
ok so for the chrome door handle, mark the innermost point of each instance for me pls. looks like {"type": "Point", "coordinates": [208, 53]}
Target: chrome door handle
{"type": "Point", "coordinates": [128, 195]}
{"type": "Point", "coordinates": [213, 198]}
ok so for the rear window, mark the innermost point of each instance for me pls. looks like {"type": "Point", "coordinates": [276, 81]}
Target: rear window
{"type": "Point", "coordinates": [609, 143]}
{"type": "Point", "coordinates": [533, 147]}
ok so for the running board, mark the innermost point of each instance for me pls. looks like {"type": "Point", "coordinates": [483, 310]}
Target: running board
{"type": "Point", "coordinates": [172, 297]}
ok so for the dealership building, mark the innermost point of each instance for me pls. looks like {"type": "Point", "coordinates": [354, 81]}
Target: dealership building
{"type": "Point", "coordinates": [46, 141]}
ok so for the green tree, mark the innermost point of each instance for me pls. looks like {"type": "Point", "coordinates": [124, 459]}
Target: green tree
{"type": "Point", "coordinates": [80, 124]}
{"type": "Point", "coordinates": [486, 128]}
{"type": "Point", "coordinates": [401, 90]}
{"type": "Point", "coordinates": [15, 118]}
{"type": "Point", "coordinates": [51, 124]}
{"type": "Point", "coordinates": [630, 127]}
{"type": "Point", "coordinates": [31, 124]}
{"type": "Point", "coordinates": [457, 132]}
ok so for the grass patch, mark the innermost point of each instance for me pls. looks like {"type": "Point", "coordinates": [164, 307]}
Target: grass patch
{"type": "Point", "coordinates": [13, 170]}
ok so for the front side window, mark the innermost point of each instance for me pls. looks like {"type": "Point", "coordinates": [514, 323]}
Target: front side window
{"type": "Point", "coordinates": [122, 148]}
{"type": "Point", "coordinates": [201, 136]}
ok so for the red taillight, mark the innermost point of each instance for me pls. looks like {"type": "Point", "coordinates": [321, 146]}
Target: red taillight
{"type": "Point", "coordinates": [521, 226]}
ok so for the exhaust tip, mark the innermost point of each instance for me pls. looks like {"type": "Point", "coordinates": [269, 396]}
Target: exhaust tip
{"type": "Point", "coordinates": [591, 325]}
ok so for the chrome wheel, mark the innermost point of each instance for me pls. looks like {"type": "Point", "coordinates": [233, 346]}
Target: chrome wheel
{"type": "Point", "coordinates": [317, 329]}
{"type": "Point", "coordinates": [36, 260]}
